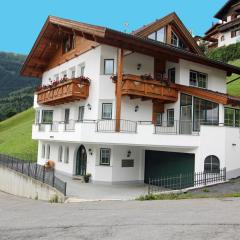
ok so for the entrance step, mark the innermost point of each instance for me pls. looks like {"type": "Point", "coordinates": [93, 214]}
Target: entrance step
{"type": "Point", "coordinates": [79, 178]}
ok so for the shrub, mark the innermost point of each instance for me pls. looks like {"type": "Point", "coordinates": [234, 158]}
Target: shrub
{"type": "Point", "coordinates": [225, 54]}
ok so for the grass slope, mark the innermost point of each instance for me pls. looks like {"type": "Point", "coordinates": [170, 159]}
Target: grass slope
{"type": "Point", "coordinates": [234, 87]}
{"type": "Point", "coordinates": [16, 136]}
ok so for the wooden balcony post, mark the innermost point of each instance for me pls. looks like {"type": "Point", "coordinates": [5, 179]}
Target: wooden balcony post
{"type": "Point", "coordinates": [119, 88]}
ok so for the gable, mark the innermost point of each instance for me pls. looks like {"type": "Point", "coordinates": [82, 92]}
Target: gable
{"type": "Point", "coordinates": [171, 23]}
{"type": "Point", "coordinates": [228, 7]}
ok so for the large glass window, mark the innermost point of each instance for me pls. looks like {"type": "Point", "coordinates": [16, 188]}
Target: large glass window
{"type": "Point", "coordinates": [176, 41]}
{"type": "Point", "coordinates": [198, 79]}
{"type": "Point", "coordinates": [204, 112]}
{"type": "Point", "coordinates": [212, 164]}
{"type": "Point", "coordinates": [108, 66]}
{"type": "Point", "coordinates": [107, 111]}
{"type": "Point", "coordinates": [105, 156]}
{"type": "Point", "coordinates": [47, 116]}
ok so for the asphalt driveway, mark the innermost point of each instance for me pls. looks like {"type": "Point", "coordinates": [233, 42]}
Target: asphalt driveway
{"type": "Point", "coordinates": [216, 219]}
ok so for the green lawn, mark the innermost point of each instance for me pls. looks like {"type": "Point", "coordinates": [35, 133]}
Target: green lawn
{"type": "Point", "coordinates": [16, 136]}
{"type": "Point", "coordinates": [234, 87]}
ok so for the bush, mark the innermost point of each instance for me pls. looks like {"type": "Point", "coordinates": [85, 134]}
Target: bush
{"type": "Point", "coordinates": [225, 54]}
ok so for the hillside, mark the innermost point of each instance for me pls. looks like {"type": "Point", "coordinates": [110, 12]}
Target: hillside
{"type": "Point", "coordinates": [16, 137]}
{"type": "Point", "coordinates": [16, 92]}
{"type": "Point", "coordinates": [234, 87]}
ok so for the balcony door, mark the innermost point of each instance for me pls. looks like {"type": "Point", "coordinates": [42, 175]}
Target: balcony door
{"type": "Point", "coordinates": [186, 119]}
{"type": "Point", "coordinates": [81, 161]}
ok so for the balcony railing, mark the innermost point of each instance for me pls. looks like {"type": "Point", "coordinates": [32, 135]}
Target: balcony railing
{"type": "Point", "coordinates": [126, 126]}
{"type": "Point", "coordinates": [68, 91]}
{"type": "Point", "coordinates": [135, 86]}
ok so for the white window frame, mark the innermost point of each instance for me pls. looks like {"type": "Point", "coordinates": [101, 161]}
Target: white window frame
{"type": "Point", "coordinates": [105, 153]}
{"type": "Point", "coordinates": [104, 114]}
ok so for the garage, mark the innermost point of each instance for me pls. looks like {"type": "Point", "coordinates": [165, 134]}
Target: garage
{"type": "Point", "coordinates": [168, 164]}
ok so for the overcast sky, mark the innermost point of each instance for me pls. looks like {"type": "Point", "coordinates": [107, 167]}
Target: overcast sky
{"type": "Point", "coordinates": [22, 20]}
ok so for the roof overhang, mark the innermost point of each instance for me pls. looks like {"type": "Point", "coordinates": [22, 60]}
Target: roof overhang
{"type": "Point", "coordinates": [47, 41]}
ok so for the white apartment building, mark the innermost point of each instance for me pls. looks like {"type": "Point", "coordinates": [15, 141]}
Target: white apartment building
{"type": "Point", "coordinates": [127, 107]}
{"type": "Point", "coordinates": [227, 30]}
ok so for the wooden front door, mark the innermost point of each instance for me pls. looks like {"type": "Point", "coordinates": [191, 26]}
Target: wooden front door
{"type": "Point", "coordinates": [81, 161]}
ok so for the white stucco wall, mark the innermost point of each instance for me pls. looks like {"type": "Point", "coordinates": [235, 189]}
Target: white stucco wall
{"type": "Point", "coordinates": [227, 39]}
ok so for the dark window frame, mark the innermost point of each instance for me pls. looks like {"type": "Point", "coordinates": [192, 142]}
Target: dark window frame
{"type": "Point", "coordinates": [210, 166]}
{"type": "Point", "coordinates": [104, 67]}
{"type": "Point", "coordinates": [170, 124]}
{"type": "Point", "coordinates": [100, 161]}
{"type": "Point", "coordinates": [104, 118]}
{"type": "Point", "coordinates": [170, 70]}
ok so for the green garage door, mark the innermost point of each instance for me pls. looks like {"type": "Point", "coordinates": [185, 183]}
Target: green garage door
{"type": "Point", "coordinates": [168, 164]}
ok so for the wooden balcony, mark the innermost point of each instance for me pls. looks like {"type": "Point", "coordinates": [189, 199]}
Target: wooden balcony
{"type": "Point", "coordinates": [69, 91]}
{"type": "Point", "coordinates": [134, 86]}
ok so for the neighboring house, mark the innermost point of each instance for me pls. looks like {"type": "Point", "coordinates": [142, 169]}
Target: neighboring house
{"type": "Point", "coordinates": [227, 30]}
{"type": "Point", "coordinates": [127, 107]}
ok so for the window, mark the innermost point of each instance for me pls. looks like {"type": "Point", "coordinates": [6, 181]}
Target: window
{"type": "Point", "coordinates": [171, 75]}
{"type": "Point", "coordinates": [170, 117]}
{"type": "Point", "coordinates": [229, 117]}
{"type": "Point", "coordinates": [176, 41]}
{"type": "Point", "coordinates": [222, 38]}
{"type": "Point", "coordinates": [105, 156]}
{"type": "Point", "coordinates": [235, 33]}
{"type": "Point", "coordinates": [159, 119]}
{"type": "Point", "coordinates": [69, 42]}
{"type": "Point", "coordinates": [48, 151]}
{"type": "Point", "coordinates": [37, 116]}
{"type": "Point", "coordinates": [198, 79]}
{"type": "Point", "coordinates": [56, 77]}
{"type": "Point", "coordinates": [81, 113]}
{"type": "Point", "coordinates": [66, 157]}
{"type": "Point", "coordinates": [204, 112]}
{"type": "Point", "coordinates": [82, 69]}
{"type": "Point", "coordinates": [108, 66]}
{"type": "Point", "coordinates": [66, 115]}
{"type": "Point", "coordinates": [73, 73]}
{"type": "Point", "coordinates": [43, 150]}
{"type": "Point", "coordinates": [158, 35]}
{"type": "Point", "coordinates": [60, 154]}
{"type": "Point", "coordinates": [232, 117]}
{"type": "Point", "coordinates": [47, 116]}
{"type": "Point", "coordinates": [107, 111]}
{"type": "Point", "coordinates": [211, 164]}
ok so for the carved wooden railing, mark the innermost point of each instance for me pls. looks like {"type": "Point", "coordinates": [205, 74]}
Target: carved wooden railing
{"type": "Point", "coordinates": [69, 91]}
{"type": "Point", "coordinates": [134, 86]}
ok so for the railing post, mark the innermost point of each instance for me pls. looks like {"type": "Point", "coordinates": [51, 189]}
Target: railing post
{"type": "Point", "coordinates": [35, 175]}
{"type": "Point", "coordinates": [225, 174]}
{"type": "Point", "coordinates": [43, 180]}
{"type": "Point", "coordinates": [53, 180]}
{"type": "Point", "coordinates": [65, 188]}
{"type": "Point", "coordinates": [28, 168]}
{"type": "Point", "coordinates": [180, 181]}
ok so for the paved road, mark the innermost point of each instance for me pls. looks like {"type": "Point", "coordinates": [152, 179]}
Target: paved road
{"type": "Point", "coordinates": [184, 219]}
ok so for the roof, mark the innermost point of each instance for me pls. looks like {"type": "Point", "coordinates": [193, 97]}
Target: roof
{"type": "Point", "coordinates": [45, 47]}
{"type": "Point", "coordinates": [221, 13]}
{"type": "Point", "coordinates": [171, 18]}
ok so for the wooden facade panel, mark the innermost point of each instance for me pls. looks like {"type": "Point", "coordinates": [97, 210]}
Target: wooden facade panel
{"type": "Point", "coordinates": [82, 45]}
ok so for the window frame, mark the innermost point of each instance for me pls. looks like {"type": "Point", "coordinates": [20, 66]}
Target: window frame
{"type": "Point", "coordinates": [43, 153]}
{"type": "Point", "coordinates": [101, 163]}
{"type": "Point", "coordinates": [82, 113]}
{"type": "Point", "coordinates": [106, 118]}
{"type": "Point", "coordinates": [43, 115]}
{"type": "Point", "coordinates": [161, 118]}
{"type": "Point", "coordinates": [170, 123]}
{"type": "Point", "coordinates": [104, 66]}
{"type": "Point", "coordinates": [66, 155]}
{"type": "Point", "coordinates": [198, 74]}
{"type": "Point", "coordinates": [170, 70]}
{"type": "Point", "coordinates": [211, 164]}
{"type": "Point", "coordinates": [48, 153]}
